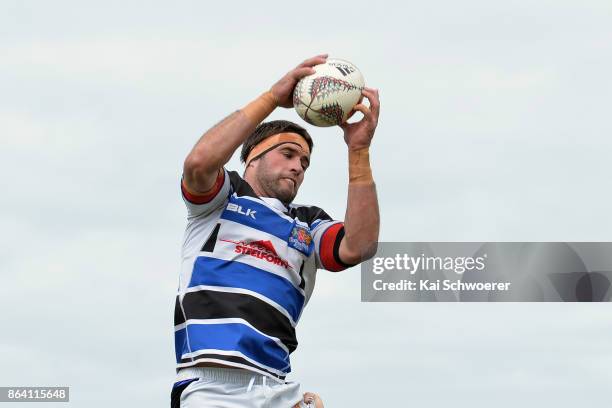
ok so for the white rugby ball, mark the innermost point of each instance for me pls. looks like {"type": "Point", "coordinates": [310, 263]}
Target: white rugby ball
{"type": "Point", "coordinates": [326, 97]}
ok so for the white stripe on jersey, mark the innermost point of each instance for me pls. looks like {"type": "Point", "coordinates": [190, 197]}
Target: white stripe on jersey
{"type": "Point", "coordinates": [231, 233]}
{"type": "Point", "coordinates": [196, 233]}
{"type": "Point", "coordinates": [198, 229]}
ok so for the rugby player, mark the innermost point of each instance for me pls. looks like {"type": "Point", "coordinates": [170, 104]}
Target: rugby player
{"type": "Point", "coordinates": [250, 255]}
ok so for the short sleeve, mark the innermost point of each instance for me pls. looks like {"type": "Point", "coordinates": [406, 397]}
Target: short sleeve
{"type": "Point", "coordinates": [198, 205]}
{"type": "Point", "coordinates": [327, 235]}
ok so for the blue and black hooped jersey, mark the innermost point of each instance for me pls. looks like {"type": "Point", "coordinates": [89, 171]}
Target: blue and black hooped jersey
{"type": "Point", "coordinates": [248, 269]}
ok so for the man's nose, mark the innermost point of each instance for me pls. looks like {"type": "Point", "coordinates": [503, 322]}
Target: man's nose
{"type": "Point", "coordinates": [296, 166]}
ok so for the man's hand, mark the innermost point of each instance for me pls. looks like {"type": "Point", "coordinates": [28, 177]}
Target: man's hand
{"type": "Point", "coordinates": [359, 134]}
{"type": "Point", "coordinates": [283, 89]}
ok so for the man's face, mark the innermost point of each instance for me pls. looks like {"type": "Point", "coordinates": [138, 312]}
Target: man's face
{"type": "Point", "coordinates": [279, 173]}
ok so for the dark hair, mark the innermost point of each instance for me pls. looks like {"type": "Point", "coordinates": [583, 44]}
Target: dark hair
{"type": "Point", "coordinates": [267, 129]}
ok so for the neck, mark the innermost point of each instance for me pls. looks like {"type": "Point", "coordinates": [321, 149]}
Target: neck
{"type": "Point", "coordinates": [258, 189]}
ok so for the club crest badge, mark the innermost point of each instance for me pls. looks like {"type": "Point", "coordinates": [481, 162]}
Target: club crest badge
{"type": "Point", "coordinates": [301, 239]}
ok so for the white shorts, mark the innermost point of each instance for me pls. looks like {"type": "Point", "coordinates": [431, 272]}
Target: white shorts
{"type": "Point", "coordinates": [234, 388]}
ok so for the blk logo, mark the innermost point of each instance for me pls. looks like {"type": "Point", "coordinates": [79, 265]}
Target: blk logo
{"type": "Point", "coordinates": [237, 208]}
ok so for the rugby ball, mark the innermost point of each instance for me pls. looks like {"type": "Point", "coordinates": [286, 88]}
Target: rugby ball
{"type": "Point", "coordinates": [327, 97]}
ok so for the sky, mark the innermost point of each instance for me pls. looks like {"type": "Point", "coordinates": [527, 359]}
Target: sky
{"type": "Point", "coordinates": [494, 126]}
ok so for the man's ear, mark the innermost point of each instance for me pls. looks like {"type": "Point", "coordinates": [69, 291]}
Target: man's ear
{"type": "Point", "coordinates": [250, 167]}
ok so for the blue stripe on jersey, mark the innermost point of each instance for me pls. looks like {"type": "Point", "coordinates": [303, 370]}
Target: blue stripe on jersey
{"type": "Point", "coordinates": [241, 338]}
{"type": "Point", "coordinates": [180, 344]}
{"type": "Point", "coordinates": [257, 216]}
{"type": "Point", "coordinates": [218, 272]}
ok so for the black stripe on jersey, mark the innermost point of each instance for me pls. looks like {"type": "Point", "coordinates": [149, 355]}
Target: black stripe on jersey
{"type": "Point", "coordinates": [178, 313]}
{"type": "Point", "coordinates": [233, 359]}
{"type": "Point", "coordinates": [240, 186]}
{"type": "Point", "coordinates": [302, 281]}
{"type": "Point", "coordinates": [210, 304]}
{"type": "Point", "coordinates": [308, 214]}
{"type": "Point", "coordinates": [209, 245]}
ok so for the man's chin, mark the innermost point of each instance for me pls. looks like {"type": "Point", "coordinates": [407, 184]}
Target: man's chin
{"type": "Point", "coordinates": [285, 195]}
{"type": "Point", "coordinates": [285, 191]}
{"type": "Point", "coordinates": [287, 198]}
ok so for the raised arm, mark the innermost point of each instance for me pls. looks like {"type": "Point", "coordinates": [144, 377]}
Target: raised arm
{"type": "Point", "coordinates": [217, 145]}
{"type": "Point", "coordinates": [362, 218]}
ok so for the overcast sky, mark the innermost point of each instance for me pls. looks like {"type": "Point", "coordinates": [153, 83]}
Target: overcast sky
{"type": "Point", "coordinates": [494, 127]}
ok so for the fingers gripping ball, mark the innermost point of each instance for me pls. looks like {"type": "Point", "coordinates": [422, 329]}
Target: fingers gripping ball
{"type": "Point", "coordinates": [327, 97]}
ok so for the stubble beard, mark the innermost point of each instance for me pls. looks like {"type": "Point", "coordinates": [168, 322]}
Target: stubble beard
{"type": "Point", "coordinates": [272, 184]}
